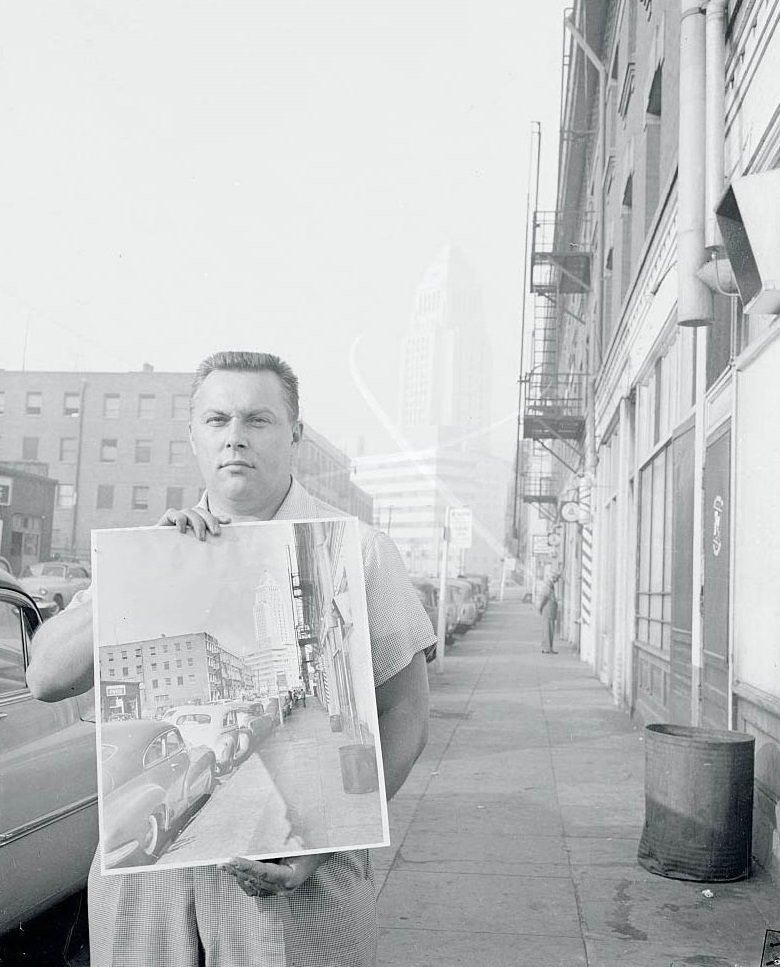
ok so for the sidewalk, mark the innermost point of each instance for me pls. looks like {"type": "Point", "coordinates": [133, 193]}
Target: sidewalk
{"type": "Point", "coordinates": [515, 837]}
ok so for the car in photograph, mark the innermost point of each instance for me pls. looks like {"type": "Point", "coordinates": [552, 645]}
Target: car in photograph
{"type": "Point", "coordinates": [255, 725]}
{"type": "Point", "coordinates": [214, 725]}
{"type": "Point", "coordinates": [5, 565]}
{"type": "Point", "coordinates": [48, 782]}
{"type": "Point", "coordinates": [466, 607]}
{"type": "Point", "coordinates": [53, 583]}
{"type": "Point", "coordinates": [150, 779]}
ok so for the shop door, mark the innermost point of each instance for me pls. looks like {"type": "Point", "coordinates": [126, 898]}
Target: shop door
{"type": "Point", "coordinates": [682, 576]}
{"type": "Point", "coordinates": [715, 602]}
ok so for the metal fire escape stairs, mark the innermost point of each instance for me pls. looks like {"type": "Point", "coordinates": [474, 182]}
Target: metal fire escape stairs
{"type": "Point", "coordinates": [554, 399]}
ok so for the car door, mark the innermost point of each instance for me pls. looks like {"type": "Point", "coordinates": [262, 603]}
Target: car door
{"type": "Point", "coordinates": [48, 786]}
{"type": "Point", "coordinates": [178, 761]}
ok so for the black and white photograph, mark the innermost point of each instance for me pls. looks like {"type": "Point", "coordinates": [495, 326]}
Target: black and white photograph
{"type": "Point", "coordinates": [488, 289]}
{"type": "Point", "coordinates": [237, 712]}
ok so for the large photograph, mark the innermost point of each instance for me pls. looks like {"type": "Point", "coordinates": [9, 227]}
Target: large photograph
{"type": "Point", "coordinates": [237, 709]}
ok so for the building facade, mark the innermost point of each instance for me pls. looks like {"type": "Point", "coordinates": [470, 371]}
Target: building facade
{"type": "Point", "coordinates": [655, 393]}
{"type": "Point", "coordinates": [26, 515]}
{"type": "Point", "coordinates": [118, 446]}
{"type": "Point", "coordinates": [172, 670]}
{"type": "Point", "coordinates": [277, 664]}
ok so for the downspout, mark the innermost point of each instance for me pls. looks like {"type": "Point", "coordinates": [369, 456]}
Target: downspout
{"type": "Point", "coordinates": [694, 299]}
{"type": "Point", "coordinates": [715, 74]}
{"type": "Point", "coordinates": [77, 478]}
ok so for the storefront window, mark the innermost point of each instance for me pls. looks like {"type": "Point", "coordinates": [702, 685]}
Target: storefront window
{"type": "Point", "coordinates": [654, 576]}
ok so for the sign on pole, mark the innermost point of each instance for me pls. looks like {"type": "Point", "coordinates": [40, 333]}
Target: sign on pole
{"type": "Point", "coordinates": [460, 527]}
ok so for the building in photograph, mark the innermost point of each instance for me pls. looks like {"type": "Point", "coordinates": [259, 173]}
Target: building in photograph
{"type": "Point", "coordinates": [174, 670]}
{"type": "Point", "coordinates": [277, 663]}
{"type": "Point", "coordinates": [118, 446]}
{"type": "Point", "coordinates": [652, 380]}
{"type": "Point", "coordinates": [26, 514]}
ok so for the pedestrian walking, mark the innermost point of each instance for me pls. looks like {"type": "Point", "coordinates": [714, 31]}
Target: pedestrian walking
{"type": "Point", "coordinates": [548, 609]}
{"type": "Point", "coordinates": [316, 910]}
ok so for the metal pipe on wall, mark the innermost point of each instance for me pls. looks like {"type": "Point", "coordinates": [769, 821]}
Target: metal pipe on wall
{"type": "Point", "coordinates": [694, 299]}
{"type": "Point", "coordinates": [715, 117]}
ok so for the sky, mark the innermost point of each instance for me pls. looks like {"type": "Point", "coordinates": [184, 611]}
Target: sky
{"type": "Point", "coordinates": [181, 178]}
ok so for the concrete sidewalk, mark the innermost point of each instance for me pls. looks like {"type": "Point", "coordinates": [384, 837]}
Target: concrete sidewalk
{"type": "Point", "coordinates": [515, 836]}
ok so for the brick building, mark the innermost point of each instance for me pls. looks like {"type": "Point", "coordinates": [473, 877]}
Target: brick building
{"type": "Point", "coordinates": [176, 670]}
{"type": "Point", "coordinates": [26, 513]}
{"type": "Point", "coordinates": [118, 446]}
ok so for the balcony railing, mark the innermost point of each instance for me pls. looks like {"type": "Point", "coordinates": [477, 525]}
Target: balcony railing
{"type": "Point", "coordinates": [554, 406]}
{"type": "Point", "coordinates": [560, 259]}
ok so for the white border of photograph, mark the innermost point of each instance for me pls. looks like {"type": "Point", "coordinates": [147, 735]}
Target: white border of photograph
{"type": "Point", "coordinates": [153, 583]}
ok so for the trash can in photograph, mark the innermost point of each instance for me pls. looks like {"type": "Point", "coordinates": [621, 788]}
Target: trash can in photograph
{"type": "Point", "coordinates": [359, 773]}
{"type": "Point", "coordinates": [698, 803]}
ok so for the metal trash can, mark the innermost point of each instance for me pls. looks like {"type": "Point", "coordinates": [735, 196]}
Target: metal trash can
{"type": "Point", "coordinates": [698, 803]}
{"type": "Point", "coordinates": [359, 772]}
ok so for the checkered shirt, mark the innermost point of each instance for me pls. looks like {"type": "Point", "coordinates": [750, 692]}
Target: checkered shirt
{"type": "Point", "coordinates": [154, 918]}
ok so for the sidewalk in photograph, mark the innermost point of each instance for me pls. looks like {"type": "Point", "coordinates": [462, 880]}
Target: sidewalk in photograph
{"type": "Point", "coordinates": [514, 839]}
{"type": "Point", "coordinates": [304, 760]}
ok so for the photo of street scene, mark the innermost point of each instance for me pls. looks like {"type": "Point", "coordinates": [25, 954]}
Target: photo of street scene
{"type": "Point", "coordinates": [237, 710]}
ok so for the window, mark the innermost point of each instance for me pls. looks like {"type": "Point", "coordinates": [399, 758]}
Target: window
{"type": "Point", "coordinates": [180, 406]}
{"type": "Point", "coordinates": [68, 449]}
{"type": "Point", "coordinates": [166, 666]}
{"type": "Point", "coordinates": [167, 681]}
{"type": "Point", "coordinates": [108, 451]}
{"type": "Point", "coordinates": [154, 666]}
{"type": "Point", "coordinates": [146, 406]}
{"type": "Point", "coordinates": [190, 661]}
{"type": "Point", "coordinates": [2, 401]}
{"type": "Point", "coordinates": [155, 683]}
{"type": "Point", "coordinates": [71, 404]}
{"type": "Point", "coordinates": [30, 447]}
{"type": "Point", "coordinates": [66, 495]}
{"type": "Point", "coordinates": [111, 406]}
{"type": "Point", "coordinates": [174, 497]}
{"type": "Point", "coordinates": [124, 653]}
{"type": "Point", "coordinates": [155, 753]}
{"type": "Point", "coordinates": [178, 646]}
{"type": "Point", "coordinates": [12, 662]}
{"type": "Point", "coordinates": [179, 679]}
{"type": "Point", "coordinates": [111, 673]}
{"type": "Point", "coordinates": [140, 498]}
{"type": "Point", "coordinates": [653, 148]}
{"type": "Point", "coordinates": [125, 671]}
{"type": "Point", "coordinates": [139, 669]}
{"type": "Point", "coordinates": [179, 662]}
{"type": "Point", "coordinates": [34, 404]}
{"type": "Point", "coordinates": [143, 451]}
{"type": "Point", "coordinates": [626, 228]}
{"type": "Point", "coordinates": [105, 497]}
{"type": "Point", "coordinates": [177, 453]}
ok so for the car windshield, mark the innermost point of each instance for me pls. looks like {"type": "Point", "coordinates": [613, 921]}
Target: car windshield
{"type": "Point", "coordinates": [53, 570]}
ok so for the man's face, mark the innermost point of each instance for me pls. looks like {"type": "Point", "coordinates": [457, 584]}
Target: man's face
{"type": "Point", "coordinates": [244, 440]}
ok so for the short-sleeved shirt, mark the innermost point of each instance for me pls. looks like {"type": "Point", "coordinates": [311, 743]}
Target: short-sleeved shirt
{"type": "Point", "coordinates": [154, 918]}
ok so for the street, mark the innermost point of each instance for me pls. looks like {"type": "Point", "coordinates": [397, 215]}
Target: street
{"type": "Point", "coordinates": [514, 838]}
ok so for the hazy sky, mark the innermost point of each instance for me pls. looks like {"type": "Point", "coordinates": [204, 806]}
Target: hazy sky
{"type": "Point", "coordinates": [178, 178]}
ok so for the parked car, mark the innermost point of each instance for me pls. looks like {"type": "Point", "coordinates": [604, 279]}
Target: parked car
{"type": "Point", "coordinates": [255, 725]}
{"type": "Point", "coordinates": [466, 608]}
{"type": "Point", "coordinates": [5, 565]}
{"type": "Point", "coordinates": [215, 726]}
{"type": "Point", "coordinates": [480, 586]}
{"type": "Point", "coordinates": [48, 783]}
{"type": "Point", "coordinates": [428, 593]}
{"type": "Point", "coordinates": [150, 779]}
{"type": "Point", "coordinates": [55, 582]}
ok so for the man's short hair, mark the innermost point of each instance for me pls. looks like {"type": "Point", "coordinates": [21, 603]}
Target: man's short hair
{"type": "Point", "coordinates": [241, 362]}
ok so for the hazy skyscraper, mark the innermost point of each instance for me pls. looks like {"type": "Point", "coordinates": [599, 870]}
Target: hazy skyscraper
{"type": "Point", "coordinates": [445, 368]}
{"type": "Point", "coordinates": [277, 662]}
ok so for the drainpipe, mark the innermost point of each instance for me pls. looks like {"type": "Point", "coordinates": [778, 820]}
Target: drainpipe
{"type": "Point", "coordinates": [715, 74]}
{"type": "Point", "coordinates": [694, 299]}
{"type": "Point", "coordinates": [77, 477]}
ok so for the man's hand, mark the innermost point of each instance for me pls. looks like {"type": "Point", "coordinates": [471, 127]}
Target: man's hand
{"type": "Point", "coordinates": [280, 878]}
{"type": "Point", "coordinates": [197, 519]}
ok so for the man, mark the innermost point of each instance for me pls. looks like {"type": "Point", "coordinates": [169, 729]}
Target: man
{"type": "Point", "coordinates": [317, 910]}
{"type": "Point", "coordinates": [548, 609]}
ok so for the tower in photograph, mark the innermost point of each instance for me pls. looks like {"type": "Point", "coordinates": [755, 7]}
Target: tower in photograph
{"type": "Point", "coordinates": [445, 368]}
{"type": "Point", "coordinates": [276, 665]}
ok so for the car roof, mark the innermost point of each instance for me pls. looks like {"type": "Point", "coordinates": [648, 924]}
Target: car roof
{"type": "Point", "coordinates": [133, 731]}
{"type": "Point", "coordinates": [9, 582]}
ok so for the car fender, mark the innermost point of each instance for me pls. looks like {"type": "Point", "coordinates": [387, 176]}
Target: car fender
{"type": "Point", "coordinates": [124, 808]}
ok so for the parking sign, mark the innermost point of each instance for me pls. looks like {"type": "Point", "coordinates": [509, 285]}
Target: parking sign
{"type": "Point", "coordinates": [460, 527]}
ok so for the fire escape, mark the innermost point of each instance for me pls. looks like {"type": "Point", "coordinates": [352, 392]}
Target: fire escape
{"type": "Point", "coordinates": [554, 396]}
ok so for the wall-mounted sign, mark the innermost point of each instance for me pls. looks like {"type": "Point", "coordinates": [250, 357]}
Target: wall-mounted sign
{"type": "Point", "coordinates": [570, 511]}
{"type": "Point", "coordinates": [718, 506]}
{"type": "Point", "coordinates": [6, 490]}
{"type": "Point", "coordinates": [460, 526]}
{"type": "Point", "coordinates": [115, 690]}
